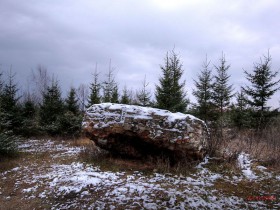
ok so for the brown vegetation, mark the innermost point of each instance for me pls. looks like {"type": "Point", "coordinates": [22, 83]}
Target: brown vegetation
{"type": "Point", "coordinates": [263, 146]}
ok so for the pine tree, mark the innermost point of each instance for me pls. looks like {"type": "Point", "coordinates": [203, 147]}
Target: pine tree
{"type": "Point", "coordinates": [144, 95]}
{"type": "Point", "coordinates": [222, 91]}
{"type": "Point", "coordinates": [203, 92]}
{"type": "Point", "coordinates": [170, 92]}
{"type": "Point", "coordinates": [262, 89]}
{"type": "Point", "coordinates": [51, 109]}
{"type": "Point", "coordinates": [95, 87]}
{"type": "Point", "coordinates": [71, 102]}
{"type": "Point", "coordinates": [125, 99]}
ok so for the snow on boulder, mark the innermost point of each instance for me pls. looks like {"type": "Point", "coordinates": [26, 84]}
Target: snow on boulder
{"type": "Point", "coordinates": [137, 131]}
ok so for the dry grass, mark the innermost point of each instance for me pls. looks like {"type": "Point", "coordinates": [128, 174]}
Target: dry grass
{"type": "Point", "coordinates": [263, 146]}
{"type": "Point", "coordinates": [259, 146]}
{"type": "Point", "coordinates": [82, 142]}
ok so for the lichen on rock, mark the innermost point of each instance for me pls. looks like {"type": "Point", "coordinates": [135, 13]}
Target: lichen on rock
{"type": "Point", "coordinates": [143, 131]}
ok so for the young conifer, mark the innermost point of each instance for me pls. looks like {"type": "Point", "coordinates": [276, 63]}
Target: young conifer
{"type": "Point", "coordinates": [71, 102]}
{"type": "Point", "coordinates": [203, 92]}
{"type": "Point", "coordinates": [263, 87]}
{"type": "Point", "coordinates": [144, 95]}
{"type": "Point", "coordinates": [222, 90]}
{"type": "Point", "coordinates": [52, 109]}
{"type": "Point", "coordinates": [95, 86]}
{"type": "Point", "coordinates": [170, 93]}
{"type": "Point", "coordinates": [125, 99]}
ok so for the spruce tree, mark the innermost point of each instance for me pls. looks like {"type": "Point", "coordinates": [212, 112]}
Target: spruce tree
{"type": "Point", "coordinates": [222, 91]}
{"type": "Point", "coordinates": [262, 88]}
{"type": "Point", "coordinates": [95, 87]}
{"type": "Point", "coordinates": [170, 93]}
{"type": "Point", "coordinates": [1, 92]}
{"type": "Point", "coordinates": [241, 114]}
{"type": "Point", "coordinates": [8, 145]}
{"type": "Point", "coordinates": [9, 94]}
{"type": "Point", "coordinates": [1, 96]}
{"type": "Point", "coordinates": [71, 102]}
{"type": "Point", "coordinates": [1, 83]}
{"type": "Point", "coordinates": [115, 94]}
{"type": "Point", "coordinates": [11, 117]}
{"type": "Point", "coordinates": [29, 115]}
{"type": "Point", "coordinates": [71, 120]}
{"type": "Point", "coordinates": [262, 85]}
{"type": "Point", "coordinates": [144, 95]}
{"type": "Point", "coordinates": [203, 92]}
{"type": "Point", "coordinates": [125, 99]}
{"type": "Point", "coordinates": [51, 109]}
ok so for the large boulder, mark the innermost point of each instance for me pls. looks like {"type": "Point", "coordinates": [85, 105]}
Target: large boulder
{"type": "Point", "coordinates": [141, 131]}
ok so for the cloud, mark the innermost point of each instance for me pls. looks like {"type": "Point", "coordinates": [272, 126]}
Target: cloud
{"type": "Point", "coordinates": [70, 37]}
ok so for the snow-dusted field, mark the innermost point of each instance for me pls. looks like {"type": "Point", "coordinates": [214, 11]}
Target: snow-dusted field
{"type": "Point", "coordinates": [51, 176]}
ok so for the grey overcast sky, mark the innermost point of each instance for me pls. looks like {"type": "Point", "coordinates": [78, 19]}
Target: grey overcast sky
{"type": "Point", "coordinates": [69, 37]}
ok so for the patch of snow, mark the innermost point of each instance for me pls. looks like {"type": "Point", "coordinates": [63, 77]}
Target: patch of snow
{"type": "Point", "coordinates": [204, 162]}
{"type": "Point", "coordinates": [261, 168]}
{"type": "Point", "coordinates": [15, 169]}
{"type": "Point", "coordinates": [138, 112]}
{"type": "Point", "coordinates": [42, 195]}
{"type": "Point", "coordinates": [119, 189]}
{"type": "Point", "coordinates": [244, 163]}
{"type": "Point", "coordinates": [31, 189]}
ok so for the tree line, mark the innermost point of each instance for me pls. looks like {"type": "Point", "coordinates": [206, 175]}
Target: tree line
{"type": "Point", "coordinates": [41, 110]}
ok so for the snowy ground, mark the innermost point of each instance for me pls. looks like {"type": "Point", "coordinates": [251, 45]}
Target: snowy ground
{"type": "Point", "coordinates": [51, 176]}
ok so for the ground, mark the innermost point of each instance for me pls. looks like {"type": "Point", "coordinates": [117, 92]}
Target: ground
{"type": "Point", "coordinates": [50, 174]}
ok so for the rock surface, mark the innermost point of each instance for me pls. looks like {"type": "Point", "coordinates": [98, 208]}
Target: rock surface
{"type": "Point", "coordinates": [141, 131]}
